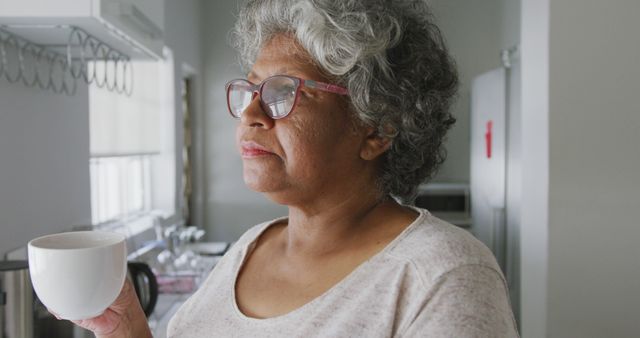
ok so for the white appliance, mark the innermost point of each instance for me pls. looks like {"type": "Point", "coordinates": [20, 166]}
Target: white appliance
{"type": "Point", "coordinates": [488, 166]}
{"type": "Point", "coordinates": [132, 27]}
{"type": "Point", "coordinates": [495, 167]}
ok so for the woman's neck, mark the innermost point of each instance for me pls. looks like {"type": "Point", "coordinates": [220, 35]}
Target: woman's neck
{"type": "Point", "coordinates": [330, 227]}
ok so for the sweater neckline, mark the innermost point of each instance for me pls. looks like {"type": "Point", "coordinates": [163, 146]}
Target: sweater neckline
{"type": "Point", "coordinates": [248, 247]}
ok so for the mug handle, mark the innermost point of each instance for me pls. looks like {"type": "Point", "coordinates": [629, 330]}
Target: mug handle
{"type": "Point", "coordinates": [142, 268]}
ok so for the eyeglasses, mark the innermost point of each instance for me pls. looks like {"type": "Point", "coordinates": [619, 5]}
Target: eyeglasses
{"type": "Point", "coordinates": [278, 94]}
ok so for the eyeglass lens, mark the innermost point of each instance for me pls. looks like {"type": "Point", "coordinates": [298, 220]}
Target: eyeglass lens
{"type": "Point", "coordinates": [278, 95]}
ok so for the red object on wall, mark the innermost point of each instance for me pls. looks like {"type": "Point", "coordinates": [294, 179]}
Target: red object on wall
{"type": "Point", "coordinates": [487, 137]}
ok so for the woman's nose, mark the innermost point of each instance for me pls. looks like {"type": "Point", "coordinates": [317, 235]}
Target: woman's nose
{"type": "Point", "coordinates": [255, 116]}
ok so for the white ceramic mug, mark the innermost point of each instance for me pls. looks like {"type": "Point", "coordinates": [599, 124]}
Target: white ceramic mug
{"type": "Point", "coordinates": [78, 274]}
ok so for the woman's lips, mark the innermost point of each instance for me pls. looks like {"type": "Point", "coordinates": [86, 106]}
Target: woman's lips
{"type": "Point", "coordinates": [251, 150]}
{"type": "Point", "coordinates": [248, 152]}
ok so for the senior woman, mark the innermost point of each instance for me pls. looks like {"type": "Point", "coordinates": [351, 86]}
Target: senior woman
{"type": "Point", "coordinates": [342, 115]}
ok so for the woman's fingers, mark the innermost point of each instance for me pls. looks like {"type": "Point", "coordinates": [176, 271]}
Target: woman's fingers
{"type": "Point", "coordinates": [114, 319]}
{"type": "Point", "coordinates": [110, 319]}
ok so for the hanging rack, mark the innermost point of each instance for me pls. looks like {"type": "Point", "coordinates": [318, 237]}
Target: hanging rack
{"type": "Point", "coordinates": [79, 56]}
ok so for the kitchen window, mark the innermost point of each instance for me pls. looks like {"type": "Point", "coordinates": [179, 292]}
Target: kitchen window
{"type": "Point", "coordinates": [120, 187]}
{"type": "Point", "coordinates": [133, 156]}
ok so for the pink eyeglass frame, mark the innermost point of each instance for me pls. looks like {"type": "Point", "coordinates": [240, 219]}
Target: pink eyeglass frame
{"type": "Point", "coordinates": [257, 88]}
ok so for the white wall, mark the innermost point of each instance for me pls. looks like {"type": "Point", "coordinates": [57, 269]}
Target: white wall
{"type": "Point", "coordinates": [594, 161]}
{"type": "Point", "coordinates": [44, 163]}
{"type": "Point", "coordinates": [534, 58]}
{"type": "Point", "coordinates": [580, 267]}
{"type": "Point", "coordinates": [231, 208]}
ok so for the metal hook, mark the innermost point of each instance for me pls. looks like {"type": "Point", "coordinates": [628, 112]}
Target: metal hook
{"type": "Point", "coordinates": [129, 90]}
{"type": "Point", "coordinates": [15, 43]}
{"type": "Point", "coordinates": [1, 55]}
{"type": "Point", "coordinates": [81, 37]}
{"type": "Point", "coordinates": [38, 66]}
{"type": "Point", "coordinates": [28, 49]}
{"type": "Point", "coordinates": [111, 60]}
{"type": "Point", "coordinates": [52, 85]}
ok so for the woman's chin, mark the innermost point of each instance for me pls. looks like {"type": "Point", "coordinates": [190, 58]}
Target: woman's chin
{"type": "Point", "coordinates": [275, 190]}
{"type": "Point", "coordinates": [257, 187]}
{"type": "Point", "coordinates": [261, 183]}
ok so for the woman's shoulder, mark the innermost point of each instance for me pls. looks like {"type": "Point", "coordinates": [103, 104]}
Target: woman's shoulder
{"type": "Point", "coordinates": [434, 247]}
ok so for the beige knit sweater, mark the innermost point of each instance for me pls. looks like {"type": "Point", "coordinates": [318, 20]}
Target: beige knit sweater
{"type": "Point", "coordinates": [433, 280]}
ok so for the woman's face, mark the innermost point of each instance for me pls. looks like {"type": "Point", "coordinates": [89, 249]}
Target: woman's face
{"type": "Point", "coordinates": [314, 150]}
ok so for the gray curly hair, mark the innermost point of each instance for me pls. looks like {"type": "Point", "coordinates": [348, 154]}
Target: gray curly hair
{"type": "Point", "coordinates": [392, 59]}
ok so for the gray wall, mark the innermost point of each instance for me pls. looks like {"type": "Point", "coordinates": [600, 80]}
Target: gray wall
{"type": "Point", "coordinates": [594, 161]}
{"type": "Point", "coordinates": [474, 34]}
{"type": "Point", "coordinates": [44, 166]}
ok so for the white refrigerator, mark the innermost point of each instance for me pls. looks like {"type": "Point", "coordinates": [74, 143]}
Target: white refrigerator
{"type": "Point", "coordinates": [495, 167]}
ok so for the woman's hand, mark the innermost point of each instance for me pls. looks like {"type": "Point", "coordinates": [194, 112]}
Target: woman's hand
{"type": "Point", "coordinates": [124, 318]}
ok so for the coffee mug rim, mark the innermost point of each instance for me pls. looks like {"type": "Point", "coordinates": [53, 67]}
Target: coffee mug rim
{"type": "Point", "coordinates": [118, 238]}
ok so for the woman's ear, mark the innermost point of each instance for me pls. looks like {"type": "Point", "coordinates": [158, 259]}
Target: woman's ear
{"type": "Point", "coordinates": [374, 144]}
